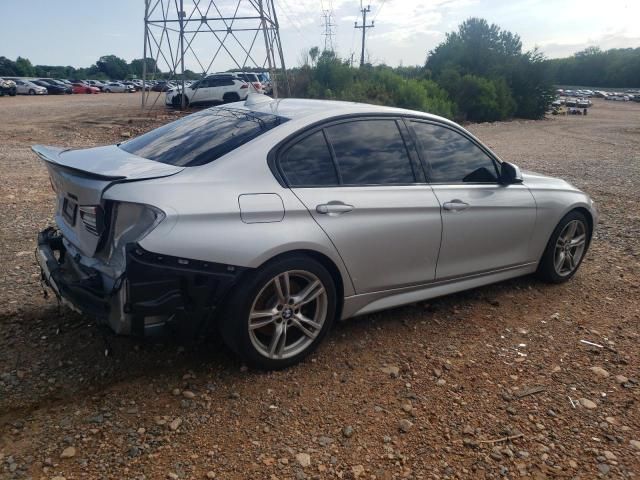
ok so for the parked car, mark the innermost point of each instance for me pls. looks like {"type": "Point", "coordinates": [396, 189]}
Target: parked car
{"type": "Point", "coordinates": [277, 217]}
{"type": "Point", "coordinates": [252, 79]}
{"type": "Point", "coordinates": [116, 87]}
{"type": "Point", "coordinates": [212, 89]}
{"type": "Point", "coordinates": [25, 87]}
{"type": "Point", "coordinates": [83, 88]}
{"type": "Point", "coordinates": [161, 86]}
{"type": "Point", "coordinates": [66, 88]}
{"type": "Point", "coordinates": [7, 87]}
{"type": "Point", "coordinates": [52, 88]}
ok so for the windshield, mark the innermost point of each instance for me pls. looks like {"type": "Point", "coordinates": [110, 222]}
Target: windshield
{"type": "Point", "coordinates": [202, 137]}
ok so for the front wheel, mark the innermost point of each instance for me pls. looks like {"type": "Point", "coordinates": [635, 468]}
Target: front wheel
{"type": "Point", "coordinates": [280, 313]}
{"type": "Point", "coordinates": [32, 92]}
{"type": "Point", "coordinates": [566, 248]}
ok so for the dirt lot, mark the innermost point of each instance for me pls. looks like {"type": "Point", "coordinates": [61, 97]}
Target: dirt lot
{"type": "Point", "coordinates": [486, 384]}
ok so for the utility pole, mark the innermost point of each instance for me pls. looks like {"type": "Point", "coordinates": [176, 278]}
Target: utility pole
{"type": "Point", "coordinates": [364, 27]}
{"type": "Point", "coordinates": [328, 33]}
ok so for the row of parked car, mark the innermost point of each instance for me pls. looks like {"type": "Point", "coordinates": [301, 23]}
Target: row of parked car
{"type": "Point", "coordinates": [51, 86]}
{"type": "Point", "coordinates": [626, 96]}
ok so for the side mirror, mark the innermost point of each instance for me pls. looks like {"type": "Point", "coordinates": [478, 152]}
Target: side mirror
{"type": "Point", "coordinates": [510, 174]}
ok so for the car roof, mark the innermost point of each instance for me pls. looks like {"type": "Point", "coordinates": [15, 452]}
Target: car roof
{"type": "Point", "coordinates": [316, 110]}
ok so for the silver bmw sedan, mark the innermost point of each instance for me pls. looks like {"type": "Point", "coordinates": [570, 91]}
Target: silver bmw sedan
{"type": "Point", "coordinates": [270, 219]}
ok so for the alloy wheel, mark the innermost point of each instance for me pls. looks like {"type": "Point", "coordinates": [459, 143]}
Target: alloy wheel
{"type": "Point", "coordinates": [570, 248]}
{"type": "Point", "coordinates": [288, 314]}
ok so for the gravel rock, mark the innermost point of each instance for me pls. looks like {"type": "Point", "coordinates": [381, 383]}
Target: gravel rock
{"type": "Point", "coordinates": [175, 424]}
{"type": "Point", "coordinates": [600, 372]}
{"type": "Point", "coordinates": [635, 444]}
{"type": "Point", "coordinates": [303, 459]}
{"type": "Point", "coordinates": [391, 370]}
{"type": "Point", "coordinates": [405, 425]}
{"type": "Point", "coordinates": [68, 452]}
{"type": "Point", "coordinates": [347, 431]}
{"type": "Point", "coordinates": [188, 394]}
{"type": "Point", "coordinates": [621, 379]}
{"type": "Point", "coordinates": [586, 403]}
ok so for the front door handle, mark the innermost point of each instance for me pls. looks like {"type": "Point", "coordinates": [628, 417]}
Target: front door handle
{"type": "Point", "coordinates": [455, 205]}
{"type": "Point", "coordinates": [333, 208]}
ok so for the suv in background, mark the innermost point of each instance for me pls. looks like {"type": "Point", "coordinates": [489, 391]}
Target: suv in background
{"type": "Point", "coordinates": [216, 88]}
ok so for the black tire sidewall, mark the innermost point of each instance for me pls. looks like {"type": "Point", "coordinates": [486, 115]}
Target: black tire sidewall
{"type": "Point", "coordinates": [546, 268]}
{"type": "Point", "coordinates": [233, 324]}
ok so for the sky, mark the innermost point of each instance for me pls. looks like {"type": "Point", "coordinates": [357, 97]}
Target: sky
{"type": "Point", "coordinates": [69, 32]}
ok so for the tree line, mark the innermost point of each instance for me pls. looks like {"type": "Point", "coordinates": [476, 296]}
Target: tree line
{"type": "Point", "coordinates": [479, 73]}
{"type": "Point", "coordinates": [593, 67]}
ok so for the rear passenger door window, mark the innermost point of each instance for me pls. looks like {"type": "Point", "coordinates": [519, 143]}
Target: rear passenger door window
{"type": "Point", "coordinates": [308, 163]}
{"type": "Point", "coordinates": [452, 157]}
{"type": "Point", "coordinates": [370, 152]}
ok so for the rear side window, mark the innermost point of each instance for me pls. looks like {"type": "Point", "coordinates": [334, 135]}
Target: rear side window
{"type": "Point", "coordinates": [453, 157]}
{"type": "Point", "coordinates": [202, 137]}
{"type": "Point", "coordinates": [308, 163]}
{"type": "Point", "coordinates": [370, 152]}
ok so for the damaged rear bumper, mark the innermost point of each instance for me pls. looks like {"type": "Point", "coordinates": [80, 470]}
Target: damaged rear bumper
{"type": "Point", "coordinates": [153, 290]}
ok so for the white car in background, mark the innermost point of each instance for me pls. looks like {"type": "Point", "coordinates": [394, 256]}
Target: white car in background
{"type": "Point", "coordinates": [25, 87]}
{"type": "Point", "coordinates": [217, 88]}
{"type": "Point", "coordinates": [116, 87]}
{"type": "Point", "coordinates": [252, 79]}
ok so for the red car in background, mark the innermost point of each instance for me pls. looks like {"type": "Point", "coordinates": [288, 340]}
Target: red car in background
{"type": "Point", "coordinates": [84, 88]}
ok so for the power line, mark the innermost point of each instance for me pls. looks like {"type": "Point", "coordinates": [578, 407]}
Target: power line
{"type": "Point", "coordinates": [364, 28]}
{"type": "Point", "coordinates": [379, 10]}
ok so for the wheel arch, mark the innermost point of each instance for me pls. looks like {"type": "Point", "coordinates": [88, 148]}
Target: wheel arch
{"type": "Point", "coordinates": [326, 262]}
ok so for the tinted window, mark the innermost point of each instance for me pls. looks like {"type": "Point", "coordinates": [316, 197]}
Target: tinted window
{"type": "Point", "coordinates": [202, 137]}
{"type": "Point", "coordinates": [309, 163]}
{"type": "Point", "coordinates": [453, 157]}
{"type": "Point", "coordinates": [370, 152]}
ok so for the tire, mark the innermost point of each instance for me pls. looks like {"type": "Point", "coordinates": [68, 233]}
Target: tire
{"type": "Point", "coordinates": [88, 91]}
{"type": "Point", "coordinates": [230, 97]}
{"type": "Point", "coordinates": [106, 90]}
{"type": "Point", "coordinates": [564, 252]}
{"type": "Point", "coordinates": [176, 101]}
{"type": "Point", "coordinates": [258, 294]}
{"type": "Point", "coordinates": [32, 92]}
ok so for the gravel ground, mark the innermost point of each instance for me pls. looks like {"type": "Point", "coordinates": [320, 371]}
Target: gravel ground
{"type": "Point", "coordinates": [489, 383]}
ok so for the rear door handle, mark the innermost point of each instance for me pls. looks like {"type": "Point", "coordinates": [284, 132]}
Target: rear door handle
{"type": "Point", "coordinates": [455, 205]}
{"type": "Point", "coordinates": [333, 208]}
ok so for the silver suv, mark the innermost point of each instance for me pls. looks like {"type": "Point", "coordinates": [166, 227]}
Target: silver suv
{"type": "Point", "coordinates": [272, 218]}
{"type": "Point", "coordinates": [212, 89]}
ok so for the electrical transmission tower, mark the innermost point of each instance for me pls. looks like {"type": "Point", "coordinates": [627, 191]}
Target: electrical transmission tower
{"type": "Point", "coordinates": [364, 28]}
{"type": "Point", "coordinates": [328, 31]}
{"type": "Point", "coordinates": [207, 36]}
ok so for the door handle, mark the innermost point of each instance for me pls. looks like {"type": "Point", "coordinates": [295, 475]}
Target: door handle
{"type": "Point", "coordinates": [455, 205]}
{"type": "Point", "coordinates": [333, 208]}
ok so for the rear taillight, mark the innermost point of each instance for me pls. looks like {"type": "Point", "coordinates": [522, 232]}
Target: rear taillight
{"type": "Point", "coordinates": [244, 85]}
{"type": "Point", "coordinates": [92, 217]}
{"type": "Point", "coordinates": [258, 85]}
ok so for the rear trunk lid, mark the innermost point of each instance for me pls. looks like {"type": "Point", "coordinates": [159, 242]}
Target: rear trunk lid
{"type": "Point", "coordinates": [80, 177]}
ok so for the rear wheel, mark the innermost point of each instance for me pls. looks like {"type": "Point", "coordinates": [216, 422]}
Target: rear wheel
{"type": "Point", "coordinates": [281, 313]}
{"type": "Point", "coordinates": [107, 90]}
{"type": "Point", "coordinates": [230, 97]}
{"type": "Point", "coordinates": [177, 101]}
{"type": "Point", "coordinates": [566, 248]}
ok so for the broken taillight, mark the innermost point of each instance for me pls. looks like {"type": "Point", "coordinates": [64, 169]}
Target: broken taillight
{"type": "Point", "coordinates": [92, 217]}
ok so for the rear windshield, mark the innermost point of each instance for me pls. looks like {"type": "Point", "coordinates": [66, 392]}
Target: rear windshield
{"type": "Point", "coordinates": [202, 137]}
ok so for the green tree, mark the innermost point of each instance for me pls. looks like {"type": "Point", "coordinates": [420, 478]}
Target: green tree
{"type": "Point", "coordinates": [24, 67]}
{"type": "Point", "coordinates": [113, 67]}
{"type": "Point", "coordinates": [136, 66]}
{"type": "Point", "coordinates": [489, 61]}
